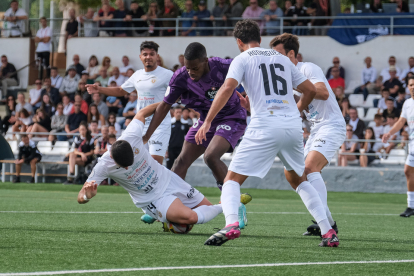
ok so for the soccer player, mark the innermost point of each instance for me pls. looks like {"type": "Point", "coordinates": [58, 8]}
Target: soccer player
{"type": "Point", "coordinates": [197, 84]}
{"type": "Point", "coordinates": [275, 128]}
{"type": "Point", "coordinates": [407, 116]}
{"type": "Point", "coordinates": [159, 192]}
{"type": "Point", "coordinates": [328, 129]}
{"type": "Point", "coordinates": [150, 84]}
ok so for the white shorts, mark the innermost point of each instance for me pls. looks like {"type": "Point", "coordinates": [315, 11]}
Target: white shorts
{"type": "Point", "coordinates": [259, 148]}
{"type": "Point", "coordinates": [327, 140]}
{"type": "Point", "coordinates": [177, 188]}
{"type": "Point", "coordinates": [410, 159]}
{"type": "Point", "coordinates": [158, 142]}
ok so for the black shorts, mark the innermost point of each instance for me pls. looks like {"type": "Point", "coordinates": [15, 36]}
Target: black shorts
{"type": "Point", "coordinates": [90, 159]}
{"type": "Point", "coordinates": [38, 156]}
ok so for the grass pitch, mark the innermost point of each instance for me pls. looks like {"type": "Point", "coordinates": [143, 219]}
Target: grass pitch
{"type": "Point", "coordinates": [43, 228]}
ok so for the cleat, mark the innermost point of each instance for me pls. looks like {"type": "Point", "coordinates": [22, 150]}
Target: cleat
{"type": "Point", "coordinates": [314, 230]}
{"type": "Point", "coordinates": [407, 213]}
{"type": "Point", "coordinates": [245, 198]}
{"type": "Point", "coordinates": [165, 227]}
{"type": "Point", "coordinates": [147, 219]}
{"type": "Point", "coordinates": [330, 239]}
{"type": "Point", "coordinates": [230, 232]}
{"type": "Point", "coordinates": [242, 216]}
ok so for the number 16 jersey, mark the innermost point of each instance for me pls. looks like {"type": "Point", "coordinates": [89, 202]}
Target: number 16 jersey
{"type": "Point", "coordinates": [268, 78]}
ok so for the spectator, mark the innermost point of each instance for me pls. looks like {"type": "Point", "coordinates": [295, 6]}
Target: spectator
{"type": "Point", "coordinates": [114, 104]}
{"type": "Point", "coordinates": [111, 141]}
{"type": "Point", "coordinates": [83, 92]}
{"type": "Point", "coordinates": [102, 108]}
{"type": "Point", "coordinates": [152, 14]}
{"type": "Point", "coordinates": [188, 26]}
{"type": "Point", "coordinates": [393, 84]}
{"type": "Point", "coordinates": [170, 11]}
{"type": "Point", "coordinates": [160, 62]}
{"type": "Point", "coordinates": [254, 11]}
{"type": "Point", "coordinates": [124, 69]}
{"type": "Point", "coordinates": [15, 19]}
{"type": "Point", "coordinates": [382, 102]}
{"type": "Point", "coordinates": [339, 93]}
{"type": "Point", "coordinates": [106, 63]}
{"type": "Point", "coordinates": [347, 10]}
{"type": "Point", "coordinates": [400, 99]}
{"type": "Point", "coordinates": [376, 6]}
{"type": "Point", "coordinates": [112, 122]}
{"type": "Point", "coordinates": [407, 91]}
{"type": "Point", "coordinates": [78, 67]}
{"type": "Point", "coordinates": [117, 77]}
{"type": "Point", "coordinates": [101, 142]}
{"type": "Point", "coordinates": [379, 127]}
{"type": "Point", "coordinates": [348, 147]}
{"type": "Point", "coordinates": [319, 8]}
{"type": "Point", "coordinates": [112, 130]}
{"type": "Point", "coordinates": [178, 132]}
{"type": "Point", "coordinates": [10, 118]}
{"type": "Point", "coordinates": [73, 122]}
{"type": "Point", "coordinates": [41, 124]}
{"type": "Point", "coordinates": [345, 107]}
{"type": "Point", "coordinates": [85, 78]}
{"type": "Point", "coordinates": [385, 73]}
{"type": "Point", "coordinates": [218, 12]}
{"type": "Point", "coordinates": [70, 83]}
{"type": "Point", "coordinates": [368, 77]}
{"type": "Point", "coordinates": [271, 17]}
{"type": "Point", "coordinates": [367, 147]}
{"type": "Point", "coordinates": [103, 77]}
{"type": "Point", "coordinates": [93, 68]}
{"type": "Point", "coordinates": [375, 88]}
{"type": "Point", "coordinates": [130, 108]}
{"type": "Point", "coordinates": [129, 73]}
{"type": "Point", "coordinates": [34, 98]}
{"type": "Point", "coordinates": [336, 80]}
{"type": "Point", "coordinates": [391, 109]}
{"type": "Point", "coordinates": [299, 57]}
{"type": "Point", "coordinates": [358, 126]}
{"type": "Point", "coordinates": [391, 120]}
{"type": "Point", "coordinates": [94, 115]}
{"type": "Point", "coordinates": [58, 122]}
{"type": "Point", "coordinates": [194, 116]}
{"type": "Point", "coordinates": [120, 13]}
{"type": "Point", "coordinates": [127, 121]}
{"type": "Point", "coordinates": [402, 6]}
{"type": "Point", "coordinates": [203, 13]}
{"type": "Point", "coordinates": [136, 12]}
{"type": "Point", "coordinates": [71, 27]}
{"type": "Point", "coordinates": [287, 23]}
{"type": "Point", "coordinates": [409, 69]}
{"type": "Point", "coordinates": [82, 153]}
{"type": "Point", "coordinates": [28, 154]}
{"type": "Point", "coordinates": [22, 104]}
{"type": "Point", "coordinates": [106, 2]}
{"type": "Point", "coordinates": [52, 92]}
{"type": "Point", "coordinates": [84, 105]}
{"type": "Point", "coordinates": [94, 128]}
{"type": "Point", "coordinates": [336, 64]}
{"type": "Point", "coordinates": [42, 39]}
{"type": "Point", "coordinates": [67, 105]}
{"type": "Point", "coordinates": [298, 10]}
{"type": "Point", "coordinates": [47, 106]}
{"type": "Point", "coordinates": [8, 75]}
{"type": "Point", "coordinates": [185, 117]}
{"type": "Point", "coordinates": [55, 78]}
{"type": "Point", "coordinates": [235, 9]}
{"type": "Point", "coordinates": [103, 16]}
{"type": "Point", "coordinates": [90, 27]}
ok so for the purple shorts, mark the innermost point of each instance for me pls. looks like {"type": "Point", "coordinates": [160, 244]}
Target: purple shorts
{"type": "Point", "coordinates": [229, 129]}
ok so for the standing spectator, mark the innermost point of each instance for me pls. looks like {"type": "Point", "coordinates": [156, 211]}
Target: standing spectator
{"type": "Point", "coordinates": [102, 108]}
{"type": "Point", "coordinates": [103, 77]}
{"type": "Point", "coordinates": [43, 41]}
{"type": "Point", "coordinates": [58, 122]}
{"type": "Point", "coordinates": [336, 64]}
{"type": "Point", "coordinates": [178, 132]}
{"type": "Point", "coordinates": [106, 2]}
{"type": "Point", "coordinates": [120, 13]}
{"type": "Point", "coordinates": [368, 77]}
{"type": "Point", "coordinates": [35, 99]}
{"type": "Point", "coordinates": [376, 6]}
{"type": "Point", "coordinates": [8, 75]}
{"type": "Point", "coordinates": [103, 16]}
{"type": "Point", "coordinates": [385, 73]}
{"type": "Point", "coordinates": [358, 126]}
{"type": "Point", "coordinates": [393, 84]}
{"type": "Point", "coordinates": [52, 92]}
{"type": "Point", "coordinates": [90, 27]}
{"type": "Point", "coordinates": [271, 17]}
{"type": "Point", "coordinates": [55, 78]}
{"type": "Point", "coordinates": [10, 118]}
{"type": "Point", "coordinates": [203, 13]}
{"type": "Point", "coordinates": [15, 19]}
{"type": "Point", "coordinates": [136, 12]}
{"type": "Point", "coordinates": [67, 105]}
{"type": "Point", "coordinates": [84, 105]}
{"type": "Point", "coordinates": [41, 124]}
{"type": "Point", "coordinates": [125, 61]}
{"type": "Point", "coordinates": [94, 115]}
{"type": "Point", "coordinates": [22, 104]}
{"type": "Point", "coordinates": [287, 23]}
{"type": "Point", "coordinates": [391, 109]}
{"type": "Point", "coordinates": [188, 26]}
{"type": "Point", "coordinates": [112, 122]}
{"type": "Point", "coordinates": [47, 105]}
{"type": "Point", "coordinates": [367, 147]}
{"type": "Point", "coordinates": [93, 68]}
{"type": "Point", "coordinates": [170, 11]}
{"type": "Point", "coordinates": [117, 77]}
{"type": "Point", "coordinates": [152, 14]}
{"type": "Point", "coordinates": [70, 83]}
{"type": "Point", "coordinates": [254, 11]}
{"type": "Point", "coordinates": [319, 8]}
{"type": "Point", "coordinates": [218, 12]}
{"type": "Point", "coordinates": [106, 63]}
{"type": "Point", "coordinates": [336, 80]}
{"type": "Point", "coordinates": [348, 147]}
{"type": "Point", "coordinates": [409, 69]}
{"type": "Point", "coordinates": [402, 6]}
{"type": "Point", "coordinates": [235, 9]}
{"type": "Point", "coordinates": [71, 27]}
{"type": "Point", "coordinates": [298, 10]}
{"type": "Point", "coordinates": [399, 101]}
{"type": "Point", "coordinates": [73, 122]}
{"type": "Point", "coordinates": [78, 67]}
{"type": "Point", "coordinates": [28, 154]}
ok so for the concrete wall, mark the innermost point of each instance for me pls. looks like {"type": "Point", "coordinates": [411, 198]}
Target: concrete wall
{"type": "Point", "coordinates": [17, 51]}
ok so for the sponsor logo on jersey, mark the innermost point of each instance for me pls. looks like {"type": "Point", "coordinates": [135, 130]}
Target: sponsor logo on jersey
{"type": "Point", "coordinates": [211, 94]}
{"type": "Point", "coordinates": [190, 194]}
{"type": "Point", "coordinates": [320, 140]}
{"type": "Point", "coordinates": [152, 142]}
{"type": "Point", "coordinates": [225, 127]}
{"type": "Point", "coordinates": [277, 101]}
{"type": "Point", "coordinates": [195, 124]}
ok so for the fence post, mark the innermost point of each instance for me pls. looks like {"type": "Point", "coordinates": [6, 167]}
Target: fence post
{"type": "Point", "coordinates": [281, 25]}
{"type": "Point", "coordinates": [392, 25]}
{"type": "Point", "coordinates": [177, 23]}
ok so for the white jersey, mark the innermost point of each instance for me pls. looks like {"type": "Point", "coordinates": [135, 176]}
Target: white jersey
{"type": "Point", "coordinates": [268, 79]}
{"type": "Point", "coordinates": [151, 87]}
{"type": "Point", "coordinates": [145, 180]}
{"type": "Point", "coordinates": [321, 112]}
{"type": "Point", "coordinates": [408, 113]}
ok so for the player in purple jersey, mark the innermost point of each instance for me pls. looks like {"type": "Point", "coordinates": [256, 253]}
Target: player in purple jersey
{"type": "Point", "coordinates": [196, 85]}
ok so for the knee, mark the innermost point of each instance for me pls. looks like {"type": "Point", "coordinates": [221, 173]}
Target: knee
{"type": "Point", "coordinates": [407, 172]}
{"type": "Point", "coordinates": [309, 169]}
{"type": "Point", "coordinates": [210, 158]}
{"type": "Point", "coordinates": [192, 218]}
{"type": "Point", "coordinates": [180, 163]}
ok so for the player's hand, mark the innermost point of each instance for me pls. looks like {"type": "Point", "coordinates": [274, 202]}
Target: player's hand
{"type": "Point", "coordinates": [385, 137]}
{"type": "Point", "coordinates": [202, 133]}
{"type": "Point", "coordinates": [244, 102]}
{"type": "Point", "coordinates": [92, 88]}
{"type": "Point", "coordinates": [91, 188]}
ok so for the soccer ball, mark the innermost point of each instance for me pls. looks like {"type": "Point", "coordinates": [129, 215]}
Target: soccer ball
{"type": "Point", "coordinates": [179, 228]}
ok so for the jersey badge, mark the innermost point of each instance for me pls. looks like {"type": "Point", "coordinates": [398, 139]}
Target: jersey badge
{"type": "Point", "coordinates": [136, 150]}
{"type": "Point", "coordinates": [211, 94]}
{"type": "Point", "coordinates": [153, 80]}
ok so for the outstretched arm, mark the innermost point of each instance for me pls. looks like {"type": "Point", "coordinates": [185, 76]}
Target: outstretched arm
{"type": "Point", "coordinates": [88, 191]}
{"type": "Point", "coordinates": [146, 112]}
{"type": "Point", "coordinates": [161, 111]}
{"type": "Point", "coordinates": [108, 91]}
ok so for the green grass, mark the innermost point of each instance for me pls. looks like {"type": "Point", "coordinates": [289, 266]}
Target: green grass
{"type": "Point", "coordinates": [32, 242]}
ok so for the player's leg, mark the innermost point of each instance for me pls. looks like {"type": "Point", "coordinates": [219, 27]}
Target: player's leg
{"type": "Point", "coordinates": [33, 163]}
{"type": "Point", "coordinates": [409, 174]}
{"type": "Point", "coordinates": [18, 171]}
{"type": "Point", "coordinates": [215, 150]}
{"type": "Point", "coordinates": [74, 159]}
{"type": "Point", "coordinates": [179, 213]}
{"type": "Point", "coordinates": [188, 155]}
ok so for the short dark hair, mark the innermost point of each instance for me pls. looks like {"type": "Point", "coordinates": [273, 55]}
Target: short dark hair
{"type": "Point", "coordinates": [389, 99]}
{"type": "Point", "coordinates": [53, 68]}
{"type": "Point", "coordinates": [42, 18]}
{"type": "Point", "coordinates": [122, 153]}
{"type": "Point", "coordinates": [410, 78]}
{"type": "Point", "coordinates": [385, 89]}
{"type": "Point", "coordinates": [94, 122]}
{"type": "Point", "coordinates": [13, 1]}
{"type": "Point", "coordinates": [112, 135]}
{"type": "Point", "coordinates": [289, 42]}
{"type": "Point", "coordinates": [391, 116]}
{"type": "Point", "coordinates": [195, 50]}
{"type": "Point", "coordinates": [149, 45]}
{"type": "Point", "coordinates": [247, 31]}
{"type": "Point", "coordinates": [23, 136]}
{"type": "Point", "coordinates": [378, 116]}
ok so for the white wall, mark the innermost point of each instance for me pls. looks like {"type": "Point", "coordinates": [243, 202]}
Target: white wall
{"type": "Point", "coordinates": [17, 51]}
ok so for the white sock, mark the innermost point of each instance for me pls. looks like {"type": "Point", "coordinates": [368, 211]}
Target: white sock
{"type": "Point", "coordinates": [314, 204]}
{"type": "Point", "coordinates": [206, 213]}
{"type": "Point", "coordinates": [410, 200]}
{"type": "Point", "coordinates": [230, 200]}
{"type": "Point", "coordinates": [317, 182]}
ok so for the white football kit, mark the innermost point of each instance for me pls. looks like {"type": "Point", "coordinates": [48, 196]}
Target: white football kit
{"type": "Point", "coordinates": [408, 113]}
{"type": "Point", "coordinates": [328, 127]}
{"type": "Point", "coordinates": [151, 186]}
{"type": "Point", "coordinates": [276, 127]}
{"type": "Point", "coordinates": [151, 87]}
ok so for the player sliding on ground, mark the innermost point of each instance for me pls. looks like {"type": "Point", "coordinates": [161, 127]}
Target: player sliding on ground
{"type": "Point", "coordinates": [275, 128]}
{"type": "Point", "coordinates": [159, 192]}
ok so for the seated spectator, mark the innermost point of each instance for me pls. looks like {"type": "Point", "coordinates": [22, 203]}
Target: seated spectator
{"type": "Point", "coordinates": [73, 122]}
{"type": "Point", "coordinates": [47, 105]}
{"type": "Point", "coordinates": [28, 154]}
{"type": "Point", "coordinates": [410, 68]}
{"type": "Point", "coordinates": [160, 62]}
{"type": "Point", "coordinates": [52, 92]}
{"type": "Point", "coordinates": [103, 16]}
{"type": "Point", "coordinates": [170, 11]}
{"type": "Point", "coordinates": [178, 132]}
{"type": "Point", "coordinates": [103, 78]}
{"type": "Point", "coordinates": [405, 140]}
{"type": "Point", "coordinates": [102, 108]}
{"type": "Point", "coordinates": [24, 120]}
{"type": "Point", "coordinates": [203, 13]}
{"type": "Point", "coordinates": [93, 68]}
{"type": "Point", "coordinates": [111, 141]}
{"type": "Point", "coordinates": [336, 80]}
{"type": "Point", "coordinates": [16, 19]}
{"type": "Point", "coordinates": [58, 122]}
{"type": "Point", "coordinates": [152, 14]}
{"type": "Point", "coordinates": [120, 13]}
{"type": "Point", "coordinates": [129, 73]}
{"type": "Point", "coordinates": [358, 126]}
{"type": "Point", "coordinates": [127, 121]}
{"type": "Point", "coordinates": [94, 115]}
{"type": "Point", "coordinates": [34, 98]}
{"type": "Point", "coordinates": [402, 6]}
{"type": "Point", "coordinates": [188, 25]}
{"type": "Point", "coordinates": [84, 92]}
{"type": "Point", "coordinates": [376, 6]}
{"type": "Point", "coordinates": [130, 108]}
{"type": "Point", "coordinates": [339, 93]}
{"type": "Point", "coordinates": [41, 122]}
{"type": "Point", "coordinates": [375, 88]}
{"type": "Point", "coordinates": [90, 27]}
{"type": "Point", "coordinates": [123, 70]}
{"type": "Point", "coordinates": [298, 10]}
{"type": "Point", "coordinates": [181, 61]}
{"type": "Point", "coordinates": [85, 77]}
{"type": "Point", "coordinates": [393, 84]}
{"type": "Point", "coordinates": [379, 126]}
{"type": "Point", "coordinates": [385, 73]}
{"type": "Point", "coordinates": [368, 77]}
{"type": "Point", "coordinates": [55, 78]}
{"type": "Point", "coordinates": [136, 12]}
{"type": "Point", "coordinates": [271, 18]}
{"type": "Point", "coordinates": [106, 63]}
{"type": "Point", "coordinates": [367, 147]}
{"type": "Point", "coordinates": [407, 91]}
{"type": "Point", "coordinates": [112, 122]}
{"type": "Point", "coordinates": [254, 11]}
{"type": "Point", "coordinates": [235, 9]}
{"type": "Point", "coordinates": [114, 104]}
{"type": "Point", "coordinates": [70, 83]}
{"type": "Point", "coordinates": [336, 64]}
{"type": "Point", "coordinates": [385, 93]}
{"type": "Point", "coordinates": [22, 104]}
{"type": "Point", "coordinates": [348, 147]}
{"type": "Point", "coordinates": [8, 76]}
{"type": "Point", "coordinates": [82, 153]}
{"type": "Point", "coordinates": [78, 67]}
{"type": "Point", "coordinates": [101, 142]}
{"type": "Point", "coordinates": [391, 109]}
{"type": "Point", "coordinates": [93, 126]}
{"type": "Point", "coordinates": [10, 118]}
{"type": "Point", "coordinates": [117, 77]}
{"type": "Point", "coordinates": [112, 130]}
{"type": "Point", "coordinates": [67, 105]}
{"type": "Point", "coordinates": [194, 116]}
{"type": "Point", "coordinates": [391, 120]}
{"type": "Point", "coordinates": [217, 12]}
{"type": "Point", "coordinates": [400, 99]}
{"type": "Point", "coordinates": [84, 105]}
{"type": "Point", "coordinates": [345, 107]}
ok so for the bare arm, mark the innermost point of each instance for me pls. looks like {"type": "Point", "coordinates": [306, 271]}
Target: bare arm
{"type": "Point", "coordinates": [146, 112]}
{"type": "Point", "coordinates": [398, 126]}
{"type": "Point", "coordinates": [308, 91]}
{"type": "Point", "coordinates": [89, 190]}
{"type": "Point", "coordinates": [162, 110]}
{"type": "Point", "coordinates": [108, 91]}
{"type": "Point", "coordinates": [322, 92]}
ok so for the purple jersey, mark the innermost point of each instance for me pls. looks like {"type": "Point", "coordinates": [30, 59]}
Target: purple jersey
{"type": "Point", "coordinates": [200, 95]}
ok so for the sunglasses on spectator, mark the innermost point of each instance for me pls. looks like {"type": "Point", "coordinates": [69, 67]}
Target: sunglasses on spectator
{"type": "Point", "coordinates": [336, 62]}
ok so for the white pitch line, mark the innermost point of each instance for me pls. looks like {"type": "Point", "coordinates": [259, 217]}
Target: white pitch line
{"type": "Point", "coordinates": [197, 267]}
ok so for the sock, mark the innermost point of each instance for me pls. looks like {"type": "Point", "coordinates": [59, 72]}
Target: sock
{"type": "Point", "coordinates": [410, 200]}
{"type": "Point", "coordinates": [314, 204]}
{"type": "Point", "coordinates": [317, 182]}
{"type": "Point", "coordinates": [230, 200]}
{"type": "Point", "coordinates": [220, 185]}
{"type": "Point", "coordinates": [206, 213]}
